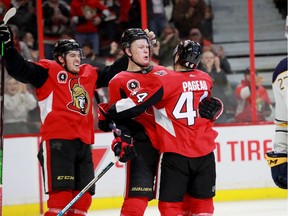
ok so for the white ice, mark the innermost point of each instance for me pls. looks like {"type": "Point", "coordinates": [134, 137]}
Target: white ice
{"type": "Point", "coordinates": [277, 207]}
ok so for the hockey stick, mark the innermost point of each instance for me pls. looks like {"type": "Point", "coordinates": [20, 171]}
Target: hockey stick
{"type": "Point", "coordinates": [10, 13]}
{"type": "Point", "coordinates": [93, 181]}
{"type": "Point", "coordinates": [90, 184]}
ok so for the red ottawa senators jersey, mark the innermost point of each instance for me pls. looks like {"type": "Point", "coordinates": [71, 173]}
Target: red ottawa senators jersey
{"type": "Point", "coordinates": [65, 102]}
{"type": "Point", "coordinates": [179, 127]}
{"type": "Point", "coordinates": [126, 83]}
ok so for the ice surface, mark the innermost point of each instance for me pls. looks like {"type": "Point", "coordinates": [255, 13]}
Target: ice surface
{"type": "Point", "coordinates": [277, 207]}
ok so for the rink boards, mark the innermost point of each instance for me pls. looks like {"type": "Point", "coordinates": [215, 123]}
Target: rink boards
{"type": "Point", "coordinates": [242, 171]}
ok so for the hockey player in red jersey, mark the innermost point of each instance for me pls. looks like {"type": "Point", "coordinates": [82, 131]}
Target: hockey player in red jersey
{"type": "Point", "coordinates": [183, 112]}
{"type": "Point", "coordinates": [65, 90]}
{"type": "Point", "coordinates": [140, 171]}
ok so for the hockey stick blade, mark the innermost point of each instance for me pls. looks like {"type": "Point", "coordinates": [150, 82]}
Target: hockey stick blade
{"type": "Point", "coordinates": [10, 13]}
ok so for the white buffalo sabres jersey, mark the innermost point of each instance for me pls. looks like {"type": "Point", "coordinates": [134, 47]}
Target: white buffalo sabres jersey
{"type": "Point", "coordinates": [280, 91]}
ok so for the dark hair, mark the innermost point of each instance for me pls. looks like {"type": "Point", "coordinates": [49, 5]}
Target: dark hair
{"type": "Point", "coordinates": [247, 71]}
{"type": "Point", "coordinates": [61, 48]}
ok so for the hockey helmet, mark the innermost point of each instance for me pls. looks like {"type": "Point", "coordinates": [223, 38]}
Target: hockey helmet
{"type": "Point", "coordinates": [63, 46]}
{"type": "Point", "coordinates": [131, 35]}
{"type": "Point", "coordinates": [189, 54]}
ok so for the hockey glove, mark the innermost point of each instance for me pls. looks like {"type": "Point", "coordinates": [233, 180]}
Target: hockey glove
{"type": "Point", "coordinates": [124, 150]}
{"type": "Point", "coordinates": [103, 120]}
{"type": "Point", "coordinates": [105, 13]}
{"type": "Point", "coordinates": [6, 35]}
{"type": "Point", "coordinates": [210, 108]}
{"type": "Point", "coordinates": [278, 163]}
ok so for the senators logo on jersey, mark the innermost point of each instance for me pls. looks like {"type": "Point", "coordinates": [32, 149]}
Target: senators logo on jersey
{"type": "Point", "coordinates": [80, 99]}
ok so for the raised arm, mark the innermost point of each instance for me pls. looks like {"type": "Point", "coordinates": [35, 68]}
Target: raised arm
{"type": "Point", "coordinates": [19, 68]}
{"type": "Point", "coordinates": [108, 72]}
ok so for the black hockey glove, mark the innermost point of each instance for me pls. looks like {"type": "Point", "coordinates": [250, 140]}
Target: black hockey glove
{"type": "Point", "coordinates": [123, 148]}
{"type": "Point", "coordinates": [210, 108]}
{"type": "Point", "coordinates": [103, 120]}
{"type": "Point", "coordinates": [278, 163]}
{"type": "Point", "coordinates": [6, 35]}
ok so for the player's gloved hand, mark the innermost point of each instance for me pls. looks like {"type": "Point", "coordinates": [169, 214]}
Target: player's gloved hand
{"type": "Point", "coordinates": [278, 163]}
{"type": "Point", "coordinates": [103, 120]}
{"type": "Point", "coordinates": [152, 37]}
{"type": "Point", "coordinates": [6, 35]}
{"type": "Point", "coordinates": [105, 13]}
{"type": "Point", "coordinates": [210, 108]}
{"type": "Point", "coordinates": [125, 150]}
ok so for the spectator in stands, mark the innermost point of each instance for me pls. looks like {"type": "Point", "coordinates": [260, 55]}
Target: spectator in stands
{"type": "Point", "coordinates": [156, 16]}
{"type": "Point", "coordinates": [196, 35]}
{"type": "Point", "coordinates": [86, 18]}
{"type": "Point", "coordinates": [188, 14]}
{"type": "Point", "coordinates": [243, 95]}
{"type": "Point", "coordinates": [124, 10]}
{"type": "Point", "coordinates": [29, 40]}
{"type": "Point", "coordinates": [20, 45]}
{"type": "Point", "coordinates": [168, 40]}
{"type": "Point", "coordinates": [56, 15]}
{"type": "Point", "coordinates": [211, 64]}
{"type": "Point", "coordinates": [17, 103]}
{"type": "Point", "coordinates": [224, 63]}
{"type": "Point", "coordinates": [115, 53]}
{"type": "Point", "coordinates": [90, 56]}
{"type": "Point", "coordinates": [109, 26]}
{"type": "Point", "coordinates": [25, 18]}
{"type": "Point", "coordinates": [206, 26]}
{"type": "Point", "coordinates": [134, 20]}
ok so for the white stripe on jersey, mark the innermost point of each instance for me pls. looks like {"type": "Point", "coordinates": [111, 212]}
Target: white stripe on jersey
{"type": "Point", "coordinates": [162, 119]}
{"type": "Point", "coordinates": [45, 107]}
{"type": "Point", "coordinates": [124, 104]}
{"type": "Point", "coordinates": [44, 146]}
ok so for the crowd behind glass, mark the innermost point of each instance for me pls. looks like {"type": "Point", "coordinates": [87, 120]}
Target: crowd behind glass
{"type": "Point", "coordinates": [98, 28]}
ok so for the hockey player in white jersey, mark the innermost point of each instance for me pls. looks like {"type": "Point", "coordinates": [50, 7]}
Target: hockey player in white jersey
{"type": "Point", "coordinates": [277, 159]}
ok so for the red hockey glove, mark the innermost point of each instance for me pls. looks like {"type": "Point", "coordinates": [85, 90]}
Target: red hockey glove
{"type": "Point", "coordinates": [278, 163]}
{"type": "Point", "coordinates": [125, 151]}
{"type": "Point", "coordinates": [210, 108]}
{"type": "Point", "coordinates": [103, 120]}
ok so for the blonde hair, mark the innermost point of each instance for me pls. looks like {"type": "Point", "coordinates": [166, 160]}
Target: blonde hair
{"type": "Point", "coordinates": [7, 79]}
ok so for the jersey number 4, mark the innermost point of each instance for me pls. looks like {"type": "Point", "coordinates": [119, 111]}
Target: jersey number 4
{"type": "Point", "coordinates": [184, 108]}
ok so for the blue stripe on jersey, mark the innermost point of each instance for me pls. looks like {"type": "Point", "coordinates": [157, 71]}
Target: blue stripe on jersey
{"type": "Point", "coordinates": [281, 67]}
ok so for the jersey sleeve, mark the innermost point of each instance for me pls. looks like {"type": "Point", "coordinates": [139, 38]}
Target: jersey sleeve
{"type": "Point", "coordinates": [150, 92]}
{"type": "Point", "coordinates": [105, 74]}
{"type": "Point", "coordinates": [23, 70]}
{"type": "Point", "coordinates": [115, 94]}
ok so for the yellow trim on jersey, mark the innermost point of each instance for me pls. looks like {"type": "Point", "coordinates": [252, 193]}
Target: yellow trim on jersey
{"type": "Point", "coordinates": [275, 161]}
{"type": "Point", "coordinates": [284, 124]}
{"type": "Point", "coordinates": [116, 202]}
